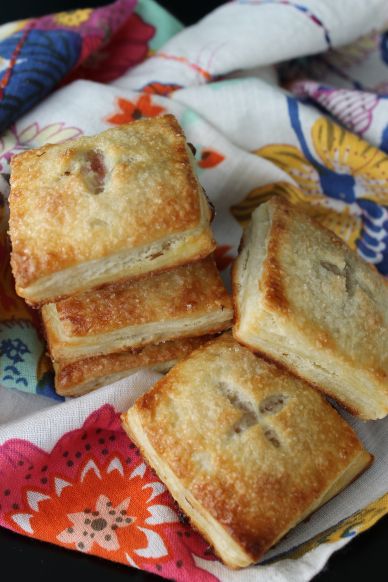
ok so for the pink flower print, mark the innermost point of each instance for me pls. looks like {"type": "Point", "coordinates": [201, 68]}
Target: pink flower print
{"type": "Point", "coordinates": [128, 47]}
{"type": "Point", "coordinates": [353, 108]}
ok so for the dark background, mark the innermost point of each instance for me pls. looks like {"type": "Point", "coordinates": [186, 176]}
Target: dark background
{"type": "Point", "coordinates": [365, 558]}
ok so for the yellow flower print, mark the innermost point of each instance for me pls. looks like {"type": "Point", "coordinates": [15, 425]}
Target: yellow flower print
{"type": "Point", "coordinates": [73, 17]}
{"type": "Point", "coordinates": [355, 524]}
{"type": "Point", "coordinates": [11, 27]}
{"type": "Point", "coordinates": [335, 183]}
{"type": "Point", "coordinates": [344, 224]}
{"type": "Point", "coordinates": [356, 168]}
{"type": "Point", "coordinates": [293, 162]}
{"type": "Point", "coordinates": [355, 53]}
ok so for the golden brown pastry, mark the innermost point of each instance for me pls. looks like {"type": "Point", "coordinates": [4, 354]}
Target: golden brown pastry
{"type": "Point", "coordinates": [82, 376]}
{"type": "Point", "coordinates": [99, 209]}
{"type": "Point", "coordinates": [187, 301]}
{"type": "Point", "coordinates": [245, 448]}
{"type": "Point", "coordinates": [304, 299]}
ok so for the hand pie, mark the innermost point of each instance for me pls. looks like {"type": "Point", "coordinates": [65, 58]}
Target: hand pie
{"type": "Point", "coordinates": [303, 298]}
{"type": "Point", "coordinates": [99, 209]}
{"type": "Point", "coordinates": [245, 448]}
{"type": "Point", "coordinates": [82, 376]}
{"type": "Point", "coordinates": [187, 301]}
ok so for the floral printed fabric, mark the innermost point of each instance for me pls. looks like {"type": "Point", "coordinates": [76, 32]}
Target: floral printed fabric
{"type": "Point", "coordinates": [94, 493]}
{"type": "Point", "coordinates": [40, 52]}
{"type": "Point", "coordinates": [277, 97]}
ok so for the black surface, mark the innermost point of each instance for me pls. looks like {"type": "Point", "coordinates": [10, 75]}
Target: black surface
{"type": "Point", "coordinates": [365, 558]}
{"type": "Point", "coordinates": [187, 12]}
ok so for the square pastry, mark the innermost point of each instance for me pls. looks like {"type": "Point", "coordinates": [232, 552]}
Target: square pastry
{"type": "Point", "coordinates": [99, 209]}
{"type": "Point", "coordinates": [82, 376]}
{"type": "Point", "coordinates": [245, 448]}
{"type": "Point", "coordinates": [304, 299]}
{"type": "Point", "coordinates": [187, 301]}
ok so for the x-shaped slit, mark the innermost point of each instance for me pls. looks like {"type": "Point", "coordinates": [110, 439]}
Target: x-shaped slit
{"type": "Point", "coordinates": [253, 415]}
{"type": "Point", "coordinates": [351, 281]}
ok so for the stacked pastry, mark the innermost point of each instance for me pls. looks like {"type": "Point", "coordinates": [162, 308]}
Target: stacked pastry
{"type": "Point", "coordinates": [111, 237]}
{"type": "Point", "coordinates": [311, 318]}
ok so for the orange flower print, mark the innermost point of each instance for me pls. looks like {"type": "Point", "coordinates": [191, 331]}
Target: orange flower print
{"type": "Point", "coordinates": [209, 158]}
{"type": "Point", "coordinates": [133, 110]}
{"type": "Point", "coordinates": [110, 509]}
{"type": "Point", "coordinates": [157, 88]}
{"type": "Point", "coordinates": [93, 493]}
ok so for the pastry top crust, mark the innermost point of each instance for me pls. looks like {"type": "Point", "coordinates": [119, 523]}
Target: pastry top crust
{"type": "Point", "coordinates": [70, 374]}
{"type": "Point", "coordinates": [321, 288]}
{"type": "Point", "coordinates": [188, 291]}
{"type": "Point", "coordinates": [269, 446]}
{"type": "Point", "coordinates": [90, 198]}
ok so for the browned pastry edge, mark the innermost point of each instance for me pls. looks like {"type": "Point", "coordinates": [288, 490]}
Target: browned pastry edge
{"type": "Point", "coordinates": [213, 491]}
{"type": "Point", "coordinates": [70, 376]}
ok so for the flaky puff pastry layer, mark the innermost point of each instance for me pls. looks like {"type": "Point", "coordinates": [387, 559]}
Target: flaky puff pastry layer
{"type": "Point", "coordinates": [187, 301]}
{"type": "Point", "coordinates": [99, 209]}
{"type": "Point", "coordinates": [304, 299]}
{"type": "Point", "coordinates": [246, 449]}
{"type": "Point", "coordinates": [82, 376]}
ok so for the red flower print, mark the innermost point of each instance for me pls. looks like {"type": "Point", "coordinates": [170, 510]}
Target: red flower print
{"type": "Point", "coordinates": [128, 47]}
{"type": "Point", "coordinates": [222, 258]}
{"type": "Point", "coordinates": [93, 493]}
{"type": "Point", "coordinates": [96, 27]}
{"type": "Point", "coordinates": [131, 111]}
{"type": "Point", "coordinates": [210, 158]}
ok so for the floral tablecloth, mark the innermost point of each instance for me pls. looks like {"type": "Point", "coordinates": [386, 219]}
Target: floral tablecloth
{"type": "Point", "coordinates": [276, 96]}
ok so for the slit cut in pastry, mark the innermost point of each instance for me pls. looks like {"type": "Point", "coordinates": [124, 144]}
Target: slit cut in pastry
{"type": "Point", "coordinates": [99, 209]}
{"type": "Point", "coordinates": [304, 299]}
{"type": "Point", "coordinates": [275, 451]}
{"type": "Point", "coordinates": [187, 301]}
{"type": "Point", "coordinates": [82, 376]}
